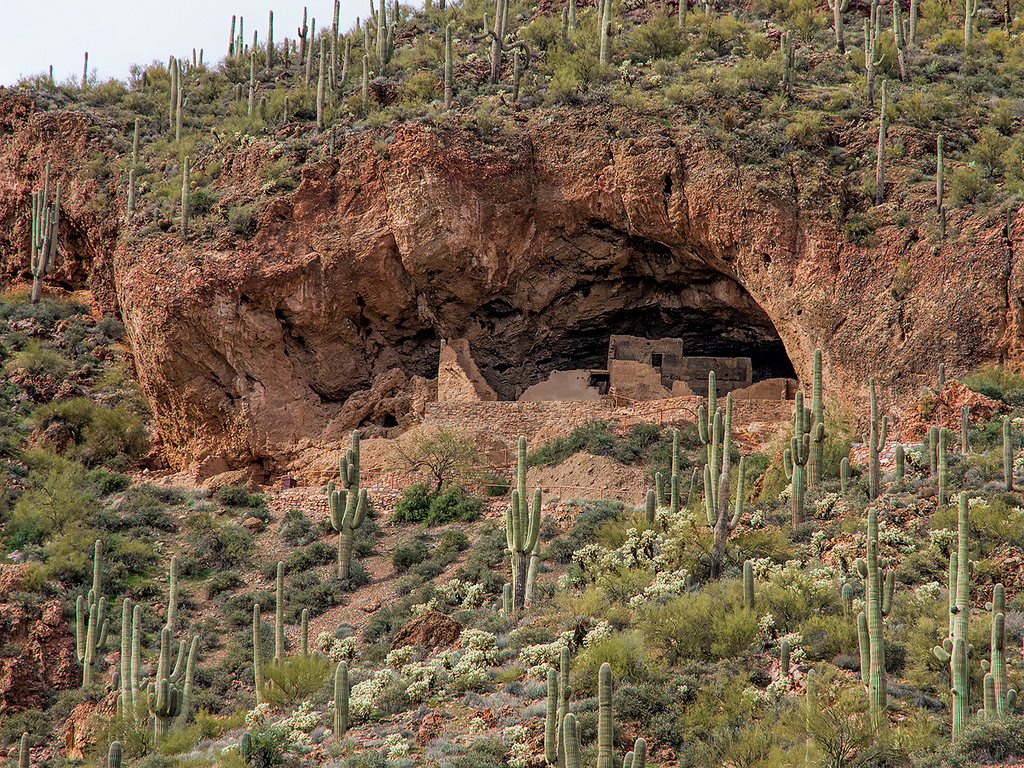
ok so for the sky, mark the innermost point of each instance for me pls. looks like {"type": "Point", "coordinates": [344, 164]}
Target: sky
{"type": "Point", "coordinates": [119, 33]}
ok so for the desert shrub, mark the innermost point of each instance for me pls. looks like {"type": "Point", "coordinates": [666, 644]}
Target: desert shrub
{"type": "Point", "coordinates": [202, 200]}
{"type": "Point", "coordinates": [238, 496]}
{"type": "Point", "coordinates": [409, 555]}
{"type": "Point", "coordinates": [217, 546]}
{"type": "Point", "coordinates": [36, 359]}
{"type": "Point", "coordinates": [106, 482]}
{"type": "Point", "coordinates": [413, 505]}
{"type": "Point", "coordinates": [453, 541]}
{"type": "Point", "coordinates": [596, 438]}
{"type": "Point", "coordinates": [710, 623]}
{"type": "Point", "coordinates": [965, 186]}
{"type": "Point", "coordinates": [623, 650]}
{"type": "Point", "coordinates": [296, 528]}
{"type": "Point", "coordinates": [420, 504]}
{"type": "Point", "coordinates": [591, 516]}
{"type": "Point", "coordinates": [486, 555]}
{"type": "Point", "coordinates": [365, 539]}
{"type": "Point", "coordinates": [994, 381]}
{"type": "Point", "coordinates": [95, 434]}
{"type": "Point", "coordinates": [296, 678]}
{"type": "Point", "coordinates": [243, 220]}
{"type": "Point", "coordinates": [387, 620]}
{"type": "Point", "coordinates": [222, 581]}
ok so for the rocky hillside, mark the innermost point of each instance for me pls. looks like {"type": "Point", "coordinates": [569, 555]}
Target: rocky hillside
{"type": "Point", "coordinates": [667, 192]}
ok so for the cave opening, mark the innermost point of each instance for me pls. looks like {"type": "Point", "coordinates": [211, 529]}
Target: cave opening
{"type": "Point", "coordinates": [709, 311]}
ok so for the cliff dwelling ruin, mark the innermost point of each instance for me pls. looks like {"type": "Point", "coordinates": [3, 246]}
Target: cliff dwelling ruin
{"type": "Point", "coordinates": [636, 368]}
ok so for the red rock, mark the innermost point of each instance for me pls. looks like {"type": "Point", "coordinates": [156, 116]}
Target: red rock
{"type": "Point", "coordinates": [431, 629]}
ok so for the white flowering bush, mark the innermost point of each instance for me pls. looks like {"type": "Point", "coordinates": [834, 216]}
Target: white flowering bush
{"type": "Point", "coordinates": [396, 746]}
{"type": "Point", "coordinates": [928, 592]}
{"type": "Point", "coordinates": [891, 536]}
{"type": "Point", "coordinates": [470, 671]}
{"type": "Point", "coordinates": [399, 656]}
{"type": "Point", "coordinates": [664, 585]}
{"type": "Point", "coordinates": [334, 649]}
{"type": "Point", "coordinates": [539, 658]}
{"type": "Point", "coordinates": [941, 539]}
{"type": "Point", "coordinates": [824, 506]}
{"type": "Point", "coordinates": [516, 737]}
{"type": "Point", "coordinates": [363, 696]}
{"type": "Point", "coordinates": [300, 724]}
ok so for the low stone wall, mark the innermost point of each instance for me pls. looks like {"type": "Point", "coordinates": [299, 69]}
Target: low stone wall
{"type": "Point", "coordinates": [508, 419]}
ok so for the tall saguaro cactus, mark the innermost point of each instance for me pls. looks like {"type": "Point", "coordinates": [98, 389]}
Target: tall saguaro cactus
{"type": "Point", "coordinates": [838, 8]}
{"type": "Point", "coordinates": [956, 649]}
{"type": "Point", "coordinates": [815, 459]}
{"type": "Point", "coordinates": [92, 622]}
{"type": "Point", "coordinates": [795, 458]}
{"type": "Point", "coordinates": [348, 505]}
{"type": "Point", "coordinates": [875, 440]}
{"type": "Point", "coordinates": [522, 528]}
{"type": "Point", "coordinates": [45, 218]}
{"type": "Point", "coordinates": [605, 717]}
{"type": "Point", "coordinates": [879, 588]}
{"type": "Point", "coordinates": [448, 66]}
{"type": "Point", "coordinates": [880, 155]}
{"type": "Point", "coordinates": [1008, 453]}
{"type": "Point", "coordinates": [999, 700]}
{"type": "Point", "coordinates": [970, 12]}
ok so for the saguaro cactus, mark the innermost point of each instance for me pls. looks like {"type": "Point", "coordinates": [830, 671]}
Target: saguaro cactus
{"type": "Point", "coordinates": [901, 461]}
{"type": "Point", "coordinates": [999, 700]}
{"type": "Point", "coordinates": [844, 474]}
{"type": "Point", "coordinates": [605, 717]}
{"type": "Point", "coordinates": [748, 585]}
{"type": "Point", "coordinates": [23, 751]}
{"type": "Point", "coordinates": [165, 699]}
{"type": "Point", "coordinates": [551, 722]}
{"type": "Point", "coordinates": [114, 755]}
{"type": "Point", "coordinates": [794, 458]}
{"type": "Point", "coordinates": [940, 209]}
{"type": "Point", "coordinates": [348, 505]}
{"type": "Point", "coordinates": [257, 652]}
{"type": "Point", "coordinates": [571, 740]}
{"type": "Point", "coordinates": [880, 155]}
{"type": "Point", "coordinates": [970, 11]}
{"type": "Point", "coordinates": [92, 622]}
{"type": "Point", "coordinates": [955, 649]}
{"type": "Point", "coordinates": [838, 8]}
{"type": "Point", "coordinates": [522, 528]}
{"type": "Point", "coordinates": [815, 460]}
{"type": "Point", "coordinates": [448, 66]}
{"type": "Point", "coordinates": [943, 484]}
{"type": "Point", "coordinates": [1008, 453]}
{"type": "Point", "coordinates": [875, 440]}
{"type": "Point", "coordinates": [879, 588]}
{"type": "Point", "coordinates": [186, 197]}
{"type": "Point", "coordinates": [341, 692]}
{"type": "Point", "coordinates": [45, 219]}
{"type": "Point", "coordinates": [279, 614]}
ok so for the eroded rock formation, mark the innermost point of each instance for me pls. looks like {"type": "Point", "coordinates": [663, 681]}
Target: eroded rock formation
{"type": "Point", "coordinates": [535, 247]}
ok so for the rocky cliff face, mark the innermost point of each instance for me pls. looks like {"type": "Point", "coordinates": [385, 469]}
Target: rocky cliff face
{"type": "Point", "coordinates": [535, 243]}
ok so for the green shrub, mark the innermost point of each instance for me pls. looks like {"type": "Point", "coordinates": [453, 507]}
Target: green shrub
{"type": "Point", "coordinates": [296, 678]}
{"type": "Point", "coordinates": [107, 482]}
{"type": "Point", "coordinates": [420, 504]}
{"type": "Point", "coordinates": [243, 220]}
{"type": "Point", "coordinates": [994, 381]}
{"type": "Point", "coordinates": [453, 541]}
{"type": "Point", "coordinates": [296, 528]}
{"type": "Point", "coordinates": [232, 495]}
{"type": "Point", "coordinates": [710, 623]}
{"type": "Point", "coordinates": [409, 555]}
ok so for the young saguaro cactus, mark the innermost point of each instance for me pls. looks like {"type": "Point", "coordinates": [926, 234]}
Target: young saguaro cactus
{"type": "Point", "coordinates": [186, 197]}
{"type": "Point", "coordinates": [748, 585]}
{"type": "Point", "coordinates": [844, 474]}
{"type": "Point", "coordinates": [114, 755]}
{"type": "Point", "coordinates": [795, 458]}
{"type": "Point", "coordinates": [522, 528]}
{"type": "Point", "coordinates": [92, 622]}
{"type": "Point", "coordinates": [551, 721]}
{"type": "Point", "coordinates": [257, 652]}
{"type": "Point", "coordinates": [955, 649]}
{"type": "Point", "coordinates": [879, 588]}
{"type": "Point", "coordinates": [348, 505]}
{"type": "Point", "coordinates": [23, 751]}
{"type": "Point", "coordinates": [943, 484]}
{"type": "Point", "coordinates": [875, 440]}
{"type": "Point", "coordinates": [341, 693]}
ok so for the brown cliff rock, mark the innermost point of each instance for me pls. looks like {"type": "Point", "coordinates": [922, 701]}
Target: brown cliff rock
{"type": "Point", "coordinates": [45, 660]}
{"type": "Point", "coordinates": [429, 630]}
{"type": "Point", "coordinates": [534, 244]}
